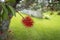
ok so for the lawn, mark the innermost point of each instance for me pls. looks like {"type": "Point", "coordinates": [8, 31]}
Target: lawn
{"type": "Point", "coordinates": [43, 29]}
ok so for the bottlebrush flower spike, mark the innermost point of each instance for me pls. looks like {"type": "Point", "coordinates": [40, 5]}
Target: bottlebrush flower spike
{"type": "Point", "coordinates": [27, 21]}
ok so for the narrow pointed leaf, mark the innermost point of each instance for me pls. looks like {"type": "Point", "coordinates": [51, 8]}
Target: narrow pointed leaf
{"type": "Point", "coordinates": [11, 9]}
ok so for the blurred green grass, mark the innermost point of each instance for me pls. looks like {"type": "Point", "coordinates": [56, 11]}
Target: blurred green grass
{"type": "Point", "coordinates": [43, 29]}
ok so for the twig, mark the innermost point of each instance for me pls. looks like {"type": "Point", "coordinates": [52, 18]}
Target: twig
{"type": "Point", "coordinates": [20, 14]}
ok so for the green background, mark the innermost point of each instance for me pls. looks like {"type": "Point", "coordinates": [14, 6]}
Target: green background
{"type": "Point", "coordinates": [43, 29]}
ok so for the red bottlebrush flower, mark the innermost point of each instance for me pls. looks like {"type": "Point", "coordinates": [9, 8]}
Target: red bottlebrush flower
{"type": "Point", "coordinates": [1, 32]}
{"type": "Point", "coordinates": [27, 21]}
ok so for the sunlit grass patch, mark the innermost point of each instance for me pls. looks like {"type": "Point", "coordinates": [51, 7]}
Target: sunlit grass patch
{"type": "Point", "coordinates": [42, 29]}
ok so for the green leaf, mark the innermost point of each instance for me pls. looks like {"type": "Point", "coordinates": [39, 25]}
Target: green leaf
{"type": "Point", "coordinates": [11, 9]}
{"type": "Point", "coordinates": [5, 12]}
{"type": "Point", "coordinates": [4, 16]}
{"type": "Point", "coordinates": [11, 1]}
{"type": "Point", "coordinates": [4, 8]}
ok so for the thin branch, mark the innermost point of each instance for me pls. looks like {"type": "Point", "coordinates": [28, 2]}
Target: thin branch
{"type": "Point", "coordinates": [20, 14]}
